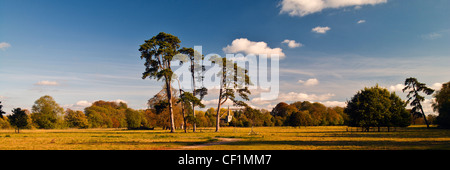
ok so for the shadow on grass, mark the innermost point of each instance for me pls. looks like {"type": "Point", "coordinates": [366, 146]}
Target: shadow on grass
{"type": "Point", "coordinates": [398, 135]}
{"type": "Point", "coordinates": [158, 143]}
{"type": "Point", "coordinates": [368, 144]}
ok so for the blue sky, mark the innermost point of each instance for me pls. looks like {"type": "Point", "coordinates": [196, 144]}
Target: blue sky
{"type": "Point", "coordinates": [83, 51]}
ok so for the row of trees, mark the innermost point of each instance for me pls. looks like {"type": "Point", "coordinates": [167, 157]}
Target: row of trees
{"type": "Point", "coordinates": [307, 114]}
{"type": "Point", "coordinates": [370, 107]}
{"type": "Point", "coordinates": [47, 114]}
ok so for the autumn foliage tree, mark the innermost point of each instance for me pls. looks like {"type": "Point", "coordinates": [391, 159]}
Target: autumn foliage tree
{"type": "Point", "coordinates": [281, 112]}
{"type": "Point", "coordinates": [300, 118]}
{"type": "Point", "coordinates": [107, 114]}
{"type": "Point", "coordinates": [76, 119]}
{"type": "Point", "coordinates": [307, 114]}
{"type": "Point", "coordinates": [159, 110]}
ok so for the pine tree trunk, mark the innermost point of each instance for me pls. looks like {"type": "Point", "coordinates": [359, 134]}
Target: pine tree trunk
{"type": "Point", "coordinates": [169, 97]}
{"type": "Point", "coordinates": [218, 112]}
{"type": "Point", "coordinates": [194, 125]}
{"type": "Point", "coordinates": [424, 117]}
{"type": "Point", "coordinates": [184, 117]}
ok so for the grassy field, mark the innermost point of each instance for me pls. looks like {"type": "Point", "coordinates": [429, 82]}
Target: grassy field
{"type": "Point", "coordinates": [264, 138]}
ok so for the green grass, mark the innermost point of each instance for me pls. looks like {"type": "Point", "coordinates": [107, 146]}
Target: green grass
{"type": "Point", "coordinates": [265, 138]}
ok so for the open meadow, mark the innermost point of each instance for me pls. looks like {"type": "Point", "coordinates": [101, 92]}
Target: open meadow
{"type": "Point", "coordinates": [230, 138]}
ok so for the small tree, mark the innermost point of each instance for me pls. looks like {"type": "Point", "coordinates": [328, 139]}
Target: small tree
{"type": "Point", "coordinates": [414, 88]}
{"type": "Point", "coordinates": [19, 119]}
{"type": "Point", "coordinates": [442, 106]}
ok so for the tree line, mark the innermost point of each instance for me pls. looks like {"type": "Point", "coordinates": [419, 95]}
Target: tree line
{"type": "Point", "coordinates": [370, 107]}
{"type": "Point", "coordinates": [46, 113]}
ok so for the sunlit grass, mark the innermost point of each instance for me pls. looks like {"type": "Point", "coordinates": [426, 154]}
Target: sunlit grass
{"type": "Point", "coordinates": [262, 138]}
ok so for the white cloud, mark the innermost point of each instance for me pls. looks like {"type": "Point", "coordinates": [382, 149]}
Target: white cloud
{"type": "Point", "coordinates": [309, 82]}
{"type": "Point", "coordinates": [398, 87]}
{"type": "Point", "coordinates": [305, 7]}
{"type": "Point", "coordinates": [432, 36]}
{"type": "Point", "coordinates": [334, 103]}
{"type": "Point", "coordinates": [250, 47]}
{"type": "Point", "coordinates": [119, 100]}
{"type": "Point", "coordinates": [427, 107]}
{"type": "Point", "coordinates": [80, 105]}
{"type": "Point", "coordinates": [437, 86]}
{"type": "Point", "coordinates": [213, 103]}
{"type": "Point", "coordinates": [293, 96]}
{"type": "Point", "coordinates": [47, 83]}
{"type": "Point", "coordinates": [292, 43]}
{"type": "Point", "coordinates": [4, 45]}
{"type": "Point", "coordinates": [361, 21]}
{"type": "Point", "coordinates": [83, 103]}
{"type": "Point", "coordinates": [321, 30]}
